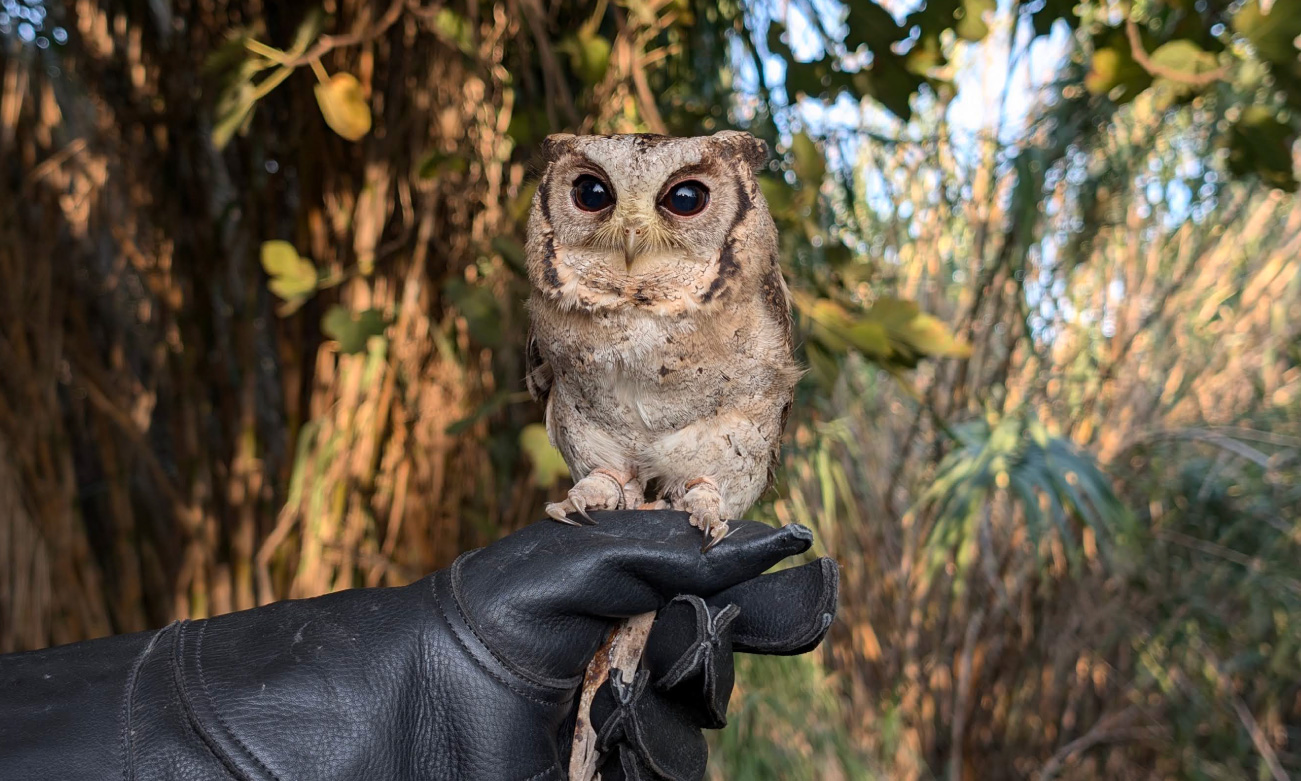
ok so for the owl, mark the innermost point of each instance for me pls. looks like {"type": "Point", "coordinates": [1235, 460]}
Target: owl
{"type": "Point", "coordinates": [660, 337]}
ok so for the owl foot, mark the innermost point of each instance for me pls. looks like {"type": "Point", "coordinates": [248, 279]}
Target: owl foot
{"type": "Point", "coordinates": [658, 504]}
{"type": "Point", "coordinates": [602, 489]}
{"type": "Point", "coordinates": [704, 503]}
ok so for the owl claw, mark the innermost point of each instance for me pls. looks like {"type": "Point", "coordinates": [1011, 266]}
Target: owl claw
{"type": "Point", "coordinates": [702, 500]}
{"type": "Point", "coordinates": [580, 507]}
{"type": "Point", "coordinates": [600, 490]}
{"type": "Point", "coordinates": [715, 534]}
{"type": "Point", "coordinates": [557, 512]}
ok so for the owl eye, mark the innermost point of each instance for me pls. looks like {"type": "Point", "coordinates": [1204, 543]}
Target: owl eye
{"type": "Point", "coordinates": [592, 194]}
{"type": "Point", "coordinates": [686, 198]}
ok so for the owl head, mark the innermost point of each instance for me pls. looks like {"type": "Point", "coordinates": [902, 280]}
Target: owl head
{"type": "Point", "coordinates": [665, 224]}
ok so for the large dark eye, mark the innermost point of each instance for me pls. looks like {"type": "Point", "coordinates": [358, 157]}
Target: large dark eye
{"type": "Point", "coordinates": [592, 194]}
{"type": "Point", "coordinates": [686, 199]}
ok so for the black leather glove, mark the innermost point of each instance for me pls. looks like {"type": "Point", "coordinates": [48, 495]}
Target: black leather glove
{"type": "Point", "coordinates": [471, 672]}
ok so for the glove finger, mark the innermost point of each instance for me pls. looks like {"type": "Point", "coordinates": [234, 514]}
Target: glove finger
{"type": "Point", "coordinates": [656, 555]}
{"type": "Point", "coordinates": [622, 764]}
{"type": "Point", "coordinates": [544, 596]}
{"type": "Point", "coordinates": [785, 613]}
{"type": "Point", "coordinates": [633, 721]}
{"type": "Point", "coordinates": [689, 657]}
{"type": "Point", "coordinates": [629, 562]}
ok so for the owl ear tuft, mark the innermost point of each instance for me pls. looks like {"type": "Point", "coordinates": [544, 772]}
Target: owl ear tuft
{"type": "Point", "coordinates": [556, 144]}
{"type": "Point", "coordinates": [754, 151]}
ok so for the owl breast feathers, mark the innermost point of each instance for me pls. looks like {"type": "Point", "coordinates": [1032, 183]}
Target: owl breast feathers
{"type": "Point", "coordinates": [661, 325]}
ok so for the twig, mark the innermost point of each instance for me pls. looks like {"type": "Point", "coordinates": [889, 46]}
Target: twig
{"type": "Point", "coordinates": [645, 98]}
{"type": "Point", "coordinates": [1141, 57]}
{"type": "Point", "coordinates": [621, 651]}
{"type": "Point", "coordinates": [1258, 738]}
{"type": "Point", "coordinates": [1240, 449]}
{"type": "Point", "coordinates": [327, 43]}
{"type": "Point", "coordinates": [43, 169]}
{"type": "Point", "coordinates": [962, 697]}
{"type": "Point", "coordinates": [552, 75]}
{"type": "Point", "coordinates": [1267, 753]}
{"type": "Point", "coordinates": [1209, 548]}
{"type": "Point", "coordinates": [1104, 731]}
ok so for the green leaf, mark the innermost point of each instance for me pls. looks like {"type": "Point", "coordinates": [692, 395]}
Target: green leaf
{"type": "Point", "coordinates": [480, 308]}
{"type": "Point", "coordinates": [548, 465]}
{"type": "Point", "coordinates": [454, 27]}
{"type": "Point", "coordinates": [512, 252]}
{"type": "Point", "coordinates": [343, 106]}
{"type": "Point", "coordinates": [435, 163]}
{"type": "Point", "coordinates": [872, 26]}
{"type": "Point", "coordinates": [927, 335]}
{"type": "Point", "coordinates": [893, 332]}
{"type": "Point", "coordinates": [307, 31]}
{"type": "Point", "coordinates": [293, 278]}
{"type": "Point", "coordinates": [233, 111]}
{"type": "Point", "coordinates": [1261, 144]}
{"type": "Point", "coordinates": [589, 56]}
{"type": "Point", "coordinates": [810, 163]}
{"type": "Point", "coordinates": [1114, 73]}
{"type": "Point", "coordinates": [1273, 34]}
{"type": "Point", "coordinates": [352, 330]}
{"type": "Point", "coordinates": [971, 24]}
{"type": "Point", "coordinates": [1185, 57]}
{"type": "Point", "coordinates": [779, 196]}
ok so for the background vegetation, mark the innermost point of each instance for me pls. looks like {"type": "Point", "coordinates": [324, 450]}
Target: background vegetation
{"type": "Point", "coordinates": [261, 322]}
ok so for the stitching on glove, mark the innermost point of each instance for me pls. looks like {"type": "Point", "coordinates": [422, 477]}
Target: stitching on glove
{"type": "Point", "coordinates": [561, 684]}
{"type": "Point", "coordinates": [555, 768]}
{"type": "Point", "coordinates": [830, 584]}
{"type": "Point", "coordinates": [495, 676]}
{"type": "Point", "coordinates": [709, 628]}
{"type": "Point", "coordinates": [182, 685]}
{"type": "Point", "coordinates": [470, 652]}
{"type": "Point", "coordinates": [622, 724]}
{"type": "Point", "coordinates": [128, 703]}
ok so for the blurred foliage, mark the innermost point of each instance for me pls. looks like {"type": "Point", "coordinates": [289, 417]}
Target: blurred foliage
{"type": "Point", "coordinates": [1052, 427]}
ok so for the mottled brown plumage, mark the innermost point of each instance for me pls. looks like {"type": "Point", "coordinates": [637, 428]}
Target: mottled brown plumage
{"type": "Point", "coordinates": [660, 343]}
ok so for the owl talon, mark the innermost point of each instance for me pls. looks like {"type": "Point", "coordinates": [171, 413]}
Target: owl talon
{"type": "Point", "coordinates": [702, 500]}
{"type": "Point", "coordinates": [600, 490]}
{"type": "Point", "coordinates": [715, 534]}
{"type": "Point", "coordinates": [580, 507]}
{"type": "Point", "coordinates": [557, 512]}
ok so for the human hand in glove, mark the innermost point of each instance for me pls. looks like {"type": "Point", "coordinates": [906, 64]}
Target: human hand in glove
{"type": "Point", "coordinates": [470, 673]}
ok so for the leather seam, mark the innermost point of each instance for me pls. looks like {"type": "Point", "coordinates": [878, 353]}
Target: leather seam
{"type": "Point", "coordinates": [461, 642]}
{"type": "Point", "coordinates": [182, 694]}
{"type": "Point", "coordinates": [454, 579]}
{"type": "Point", "coordinates": [207, 693]}
{"type": "Point", "coordinates": [187, 702]}
{"type": "Point", "coordinates": [552, 768]}
{"type": "Point", "coordinates": [128, 703]}
{"type": "Point", "coordinates": [819, 624]}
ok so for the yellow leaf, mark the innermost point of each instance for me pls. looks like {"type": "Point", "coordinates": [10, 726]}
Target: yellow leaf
{"type": "Point", "coordinates": [292, 277]}
{"type": "Point", "coordinates": [343, 106]}
{"type": "Point", "coordinates": [929, 336]}
{"type": "Point", "coordinates": [870, 339]}
{"type": "Point", "coordinates": [548, 465]}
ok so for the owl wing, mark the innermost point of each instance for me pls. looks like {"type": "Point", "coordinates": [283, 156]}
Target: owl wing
{"type": "Point", "coordinates": [777, 298]}
{"type": "Point", "coordinates": [538, 375]}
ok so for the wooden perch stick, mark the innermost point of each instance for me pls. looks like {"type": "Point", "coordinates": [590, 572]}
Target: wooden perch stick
{"type": "Point", "coordinates": [621, 651]}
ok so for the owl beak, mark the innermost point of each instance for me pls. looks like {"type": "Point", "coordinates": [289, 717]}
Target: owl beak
{"type": "Point", "coordinates": [630, 246]}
